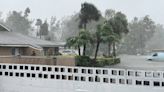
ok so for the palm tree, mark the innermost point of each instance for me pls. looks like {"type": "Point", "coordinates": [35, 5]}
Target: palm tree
{"type": "Point", "coordinates": [88, 13]}
{"type": "Point", "coordinates": [78, 41]}
{"type": "Point", "coordinates": [119, 26]}
{"type": "Point", "coordinates": [103, 34]}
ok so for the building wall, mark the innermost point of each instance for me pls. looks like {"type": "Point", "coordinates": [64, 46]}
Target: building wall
{"type": "Point", "coordinates": [41, 60]}
{"type": "Point", "coordinates": [5, 51]}
{"type": "Point", "coordinates": [25, 51]}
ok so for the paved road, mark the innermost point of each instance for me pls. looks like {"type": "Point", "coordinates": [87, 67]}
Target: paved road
{"type": "Point", "coordinates": [139, 62]}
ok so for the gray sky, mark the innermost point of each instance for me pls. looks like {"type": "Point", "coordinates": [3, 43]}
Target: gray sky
{"type": "Point", "coordinates": [60, 8]}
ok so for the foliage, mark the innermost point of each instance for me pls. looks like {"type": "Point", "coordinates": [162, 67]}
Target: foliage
{"type": "Point", "coordinates": [88, 12]}
{"type": "Point", "coordinates": [102, 35]}
{"type": "Point", "coordinates": [140, 32]}
{"type": "Point", "coordinates": [119, 26]}
{"type": "Point", "coordinates": [18, 22]}
{"type": "Point", "coordinates": [81, 39]}
{"type": "Point", "coordinates": [44, 29]}
{"type": "Point", "coordinates": [100, 62]}
{"type": "Point", "coordinates": [70, 27]}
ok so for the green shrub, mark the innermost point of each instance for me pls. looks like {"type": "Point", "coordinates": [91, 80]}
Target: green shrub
{"type": "Point", "coordinates": [82, 61]}
{"type": "Point", "coordinates": [100, 62]}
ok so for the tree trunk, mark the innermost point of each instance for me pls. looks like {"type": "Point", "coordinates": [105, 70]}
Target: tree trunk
{"type": "Point", "coordinates": [114, 50]}
{"type": "Point", "coordinates": [109, 49]}
{"type": "Point", "coordinates": [84, 49]}
{"type": "Point", "coordinates": [97, 49]}
{"type": "Point", "coordinates": [79, 51]}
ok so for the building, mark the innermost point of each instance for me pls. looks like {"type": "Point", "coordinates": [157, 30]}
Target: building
{"type": "Point", "coordinates": [12, 43]}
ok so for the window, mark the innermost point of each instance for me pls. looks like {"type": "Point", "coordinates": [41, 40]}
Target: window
{"type": "Point", "coordinates": [26, 67]}
{"type": "Point", "coordinates": [44, 68]}
{"type": "Point", "coordinates": [52, 76]}
{"type": "Point", "coordinates": [32, 68]}
{"type": "Point", "coordinates": [138, 82]}
{"type": "Point", "coordinates": [82, 78]}
{"type": "Point", "coordinates": [70, 77]}
{"type": "Point", "coordinates": [130, 73]}
{"type": "Point", "coordinates": [33, 75]}
{"type": "Point", "coordinates": [121, 81]}
{"type": "Point", "coordinates": [114, 72]}
{"type": "Point", "coordinates": [6, 73]}
{"type": "Point", "coordinates": [76, 78]}
{"type": "Point", "coordinates": [49, 69]}
{"type": "Point", "coordinates": [156, 74]}
{"type": "Point", "coordinates": [98, 71]}
{"type": "Point", "coordinates": [4, 66]}
{"type": "Point", "coordinates": [83, 71]}
{"type": "Point", "coordinates": [97, 79]}
{"type": "Point", "coordinates": [45, 76]}
{"type": "Point", "coordinates": [138, 73]}
{"type": "Point", "coordinates": [40, 75]}
{"type": "Point", "coordinates": [147, 83]}
{"type": "Point", "coordinates": [69, 70]}
{"type": "Point", "coordinates": [156, 83]}
{"type": "Point", "coordinates": [0, 73]}
{"type": "Point", "coordinates": [75, 70]}
{"type": "Point", "coordinates": [64, 77]}
{"type": "Point", "coordinates": [105, 71]}
{"type": "Point", "coordinates": [28, 74]}
{"type": "Point", "coordinates": [90, 71]}
{"type": "Point", "coordinates": [155, 54]}
{"type": "Point", "coordinates": [112, 80]}
{"type": "Point", "coordinates": [56, 69]}
{"type": "Point", "coordinates": [10, 67]}
{"type": "Point", "coordinates": [15, 67]}
{"type": "Point", "coordinates": [11, 74]}
{"type": "Point", "coordinates": [21, 74]}
{"type": "Point", "coordinates": [57, 76]}
{"type": "Point", "coordinates": [17, 74]}
{"type": "Point", "coordinates": [162, 83]}
{"type": "Point", "coordinates": [121, 72]}
{"type": "Point", "coordinates": [0, 66]}
{"type": "Point", "coordinates": [105, 80]}
{"type": "Point", "coordinates": [148, 74]}
{"type": "Point", "coordinates": [129, 81]}
{"type": "Point", "coordinates": [21, 67]}
{"type": "Point", "coordinates": [62, 69]}
{"type": "Point", "coordinates": [37, 68]}
{"type": "Point", "coordinates": [90, 79]}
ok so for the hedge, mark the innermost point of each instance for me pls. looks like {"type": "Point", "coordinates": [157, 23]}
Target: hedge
{"type": "Point", "coordinates": [100, 62]}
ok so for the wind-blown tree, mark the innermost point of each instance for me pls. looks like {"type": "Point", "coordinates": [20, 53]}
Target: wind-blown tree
{"type": "Point", "coordinates": [88, 13]}
{"type": "Point", "coordinates": [103, 34]}
{"type": "Point", "coordinates": [119, 26]}
{"type": "Point", "coordinates": [44, 29]}
{"type": "Point", "coordinates": [26, 12]}
{"type": "Point", "coordinates": [77, 41]}
{"type": "Point", "coordinates": [140, 32]}
{"type": "Point", "coordinates": [38, 24]}
{"type": "Point", "coordinates": [109, 14]}
{"type": "Point", "coordinates": [18, 22]}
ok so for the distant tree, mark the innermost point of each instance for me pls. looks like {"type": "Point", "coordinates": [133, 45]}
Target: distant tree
{"type": "Point", "coordinates": [44, 29]}
{"type": "Point", "coordinates": [69, 27]}
{"type": "Point", "coordinates": [119, 26]}
{"type": "Point", "coordinates": [38, 24]}
{"type": "Point", "coordinates": [26, 12]}
{"type": "Point", "coordinates": [140, 32]}
{"type": "Point", "coordinates": [18, 23]}
{"type": "Point", "coordinates": [109, 13]}
{"type": "Point", "coordinates": [88, 13]}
